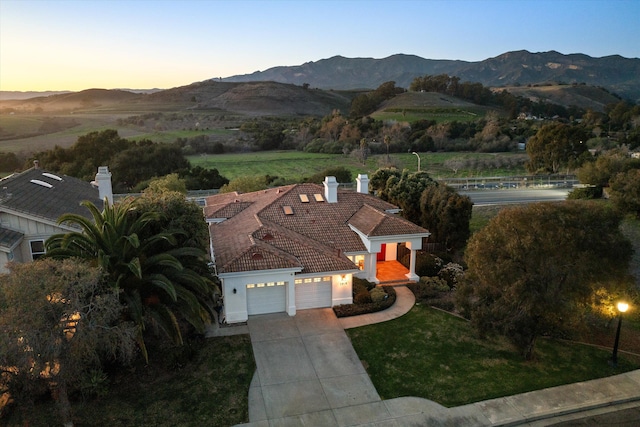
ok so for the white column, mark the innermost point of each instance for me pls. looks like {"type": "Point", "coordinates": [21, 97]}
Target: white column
{"type": "Point", "coordinates": [411, 275]}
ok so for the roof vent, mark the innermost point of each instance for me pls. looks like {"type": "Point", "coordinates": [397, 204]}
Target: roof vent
{"type": "Point", "coordinates": [41, 183]}
{"type": "Point", "coordinates": [52, 176]}
{"type": "Point", "coordinates": [267, 236]}
{"type": "Point", "coordinates": [256, 255]}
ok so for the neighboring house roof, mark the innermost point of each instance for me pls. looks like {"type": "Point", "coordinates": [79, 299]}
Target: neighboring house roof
{"type": "Point", "coordinates": [9, 239]}
{"type": "Point", "coordinates": [294, 227]}
{"type": "Point", "coordinates": [45, 195]}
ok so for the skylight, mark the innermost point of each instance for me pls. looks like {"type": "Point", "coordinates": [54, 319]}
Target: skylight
{"type": "Point", "coordinates": [52, 176]}
{"type": "Point", "coordinates": [304, 198]}
{"type": "Point", "coordinates": [318, 197]}
{"type": "Point", "coordinates": [41, 183]}
{"type": "Point", "coordinates": [288, 210]}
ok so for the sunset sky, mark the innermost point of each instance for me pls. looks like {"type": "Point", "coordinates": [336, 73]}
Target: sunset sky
{"type": "Point", "coordinates": [142, 44]}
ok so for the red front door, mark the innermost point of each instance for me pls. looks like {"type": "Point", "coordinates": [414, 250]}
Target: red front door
{"type": "Point", "coordinates": [381, 254]}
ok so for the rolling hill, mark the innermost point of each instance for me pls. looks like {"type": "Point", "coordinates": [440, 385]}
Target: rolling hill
{"type": "Point", "coordinates": [254, 98]}
{"type": "Point", "coordinates": [615, 73]}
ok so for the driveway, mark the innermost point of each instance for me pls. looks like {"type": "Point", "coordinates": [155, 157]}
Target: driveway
{"type": "Point", "coordinates": [307, 372]}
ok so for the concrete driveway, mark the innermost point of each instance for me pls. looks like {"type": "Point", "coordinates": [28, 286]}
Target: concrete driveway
{"type": "Point", "coordinates": [307, 371]}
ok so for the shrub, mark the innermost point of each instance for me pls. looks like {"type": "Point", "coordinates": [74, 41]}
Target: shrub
{"type": "Point", "coordinates": [362, 283]}
{"type": "Point", "coordinates": [346, 310]}
{"type": "Point", "coordinates": [426, 264]}
{"type": "Point", "coordinates": [452, 273]}
{"type": "Point", "coordinates": [433, 291]}
{"type": "Point", "coordinates": [585, 193]}
{"type": "Point", "coordinates": [362, 297]}
{"type": "Point", "coordinates": [377, 295]}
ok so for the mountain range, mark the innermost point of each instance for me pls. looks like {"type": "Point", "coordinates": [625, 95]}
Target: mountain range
{"type": "Point", "coordinates": [615, 73]}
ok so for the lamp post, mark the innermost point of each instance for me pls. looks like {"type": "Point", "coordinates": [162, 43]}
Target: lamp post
{"type": "Point", "coordinates": [418, 156]}
{"type": "Point", "coordinates": [622, 307]}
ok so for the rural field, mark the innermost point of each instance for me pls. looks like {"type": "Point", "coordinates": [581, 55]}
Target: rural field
{"type": "Point", "coordinates": [293, 166]}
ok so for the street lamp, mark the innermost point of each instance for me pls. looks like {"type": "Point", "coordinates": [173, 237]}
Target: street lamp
{"type": "Point", "coordinates": [622, 307]}
{"type": "Point", "coordinates": [418, 156]}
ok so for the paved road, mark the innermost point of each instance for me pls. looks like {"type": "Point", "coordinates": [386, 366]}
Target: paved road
{"type": "Point", "coordinates": [514, 196]}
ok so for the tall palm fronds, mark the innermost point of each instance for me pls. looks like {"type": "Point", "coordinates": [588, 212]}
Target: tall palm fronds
{"type": "Point", "coordinates": [158, 281]}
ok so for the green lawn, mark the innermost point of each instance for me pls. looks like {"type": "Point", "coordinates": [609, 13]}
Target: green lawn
{"type": "Point", "coordinates": [434, 355]}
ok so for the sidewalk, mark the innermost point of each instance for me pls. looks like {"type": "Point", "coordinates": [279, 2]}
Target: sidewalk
{"type": "Point", "coordinates": [354, 408]}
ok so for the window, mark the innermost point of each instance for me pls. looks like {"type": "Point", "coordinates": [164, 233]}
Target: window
{"type": "Point", "coordinates": [37, 249]}
{"type": "Point", "coordinates": [304, 198]}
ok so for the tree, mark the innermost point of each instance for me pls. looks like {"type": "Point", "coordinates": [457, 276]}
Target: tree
{"type": "Point", "coordinates": [403, 189]}
{"type": "Point", "coordinates": [341, 174]}
{"type": "Point", "coordinates": [607, 165]}
{"type": "Point", "coordinates": [446, 214]}
{"type": "Point", "coordinates": [625, 191]}
{"type": "Point", "coordinates": [144, 161]}
{"type": "Point", "coordinates": [167, 183]}
{"type": "Point", "coordinates": [58, 322]}
{"type": "Point", "coordinates": [150, 269]}
{"type": "Point", "coordinates": [387, 143]}
{"type": "Point", "coordinates": [533, 269]}
{"type": "Point", "coordinates": [556, 146]}
{"type": "Point", "coordinates": [199, 178]}
{"type": "Point", "coordinates": [245, 184]}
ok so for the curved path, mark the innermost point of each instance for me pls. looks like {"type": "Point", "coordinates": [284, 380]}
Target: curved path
{"type": "Point", "coordinates": [308, 374]}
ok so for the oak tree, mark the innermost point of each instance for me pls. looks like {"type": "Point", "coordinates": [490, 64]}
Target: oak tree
{"type": "Point", "coordinates": [532, 269]}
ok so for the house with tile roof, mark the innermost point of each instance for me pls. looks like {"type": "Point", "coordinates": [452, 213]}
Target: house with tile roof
{"type": "Point", "coordinates": [31, 203]}
{"type": "Point", "coordinates": [299, 246]}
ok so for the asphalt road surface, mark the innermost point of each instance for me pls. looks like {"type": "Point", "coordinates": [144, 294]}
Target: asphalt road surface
{"type": "Point", "coordinates": [516, 196]}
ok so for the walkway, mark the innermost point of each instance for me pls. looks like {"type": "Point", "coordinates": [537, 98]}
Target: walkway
{"type": "Point", "coordinates": [309, 375]}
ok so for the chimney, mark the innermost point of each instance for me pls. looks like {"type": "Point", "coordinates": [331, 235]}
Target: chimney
{"type": "Point", "coordinates": [331, 189]}
{"type": "Point", "coordinates": [36, 164]}
{"type": "Point", "coordinates": [103, 179]}
{"type": "Point", "coordinates": [362, 183]}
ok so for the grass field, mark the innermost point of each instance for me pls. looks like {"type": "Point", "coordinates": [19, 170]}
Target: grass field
{"type": "Point", "coordinates": [292, 166]}
{"type": "Point", "coordinates": [440, 115]}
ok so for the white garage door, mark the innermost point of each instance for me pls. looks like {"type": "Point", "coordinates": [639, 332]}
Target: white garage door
{"type": "Point", "coordinates": [263, 298]}
{"type": "Point", "coordinates": [313, 294]}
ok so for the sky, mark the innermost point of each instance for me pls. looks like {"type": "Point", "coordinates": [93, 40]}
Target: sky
{"type": "Point", "coordinates": [144, 44]}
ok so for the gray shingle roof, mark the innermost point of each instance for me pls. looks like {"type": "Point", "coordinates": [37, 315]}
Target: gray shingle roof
{"type": "Point", "coordinates": [9, 238]}
{"type": "Point", "coordinates": [45, 195]}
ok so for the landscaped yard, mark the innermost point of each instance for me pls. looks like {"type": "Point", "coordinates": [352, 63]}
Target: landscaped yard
{"type": "Point", "coordinates": [432, 354]}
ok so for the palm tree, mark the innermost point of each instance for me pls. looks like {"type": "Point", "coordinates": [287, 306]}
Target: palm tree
{"type": "Point", "coordinates": [387, 142]}
{"type": "Point", "coordinates": [158, 280]}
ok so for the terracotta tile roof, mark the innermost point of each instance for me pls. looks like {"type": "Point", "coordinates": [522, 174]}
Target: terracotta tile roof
{"type": "Point", "coordinates": [49, 197]}
{"type": "Point", "coordinates": [317, 234]}
{"type": "Point", "coordinates": [372, 222]}
{"type": "Point", "coordinates": [313, 256]}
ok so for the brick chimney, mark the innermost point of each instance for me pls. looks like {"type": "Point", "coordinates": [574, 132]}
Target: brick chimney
{"type": "Point", "coordinates": [330, 189]}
